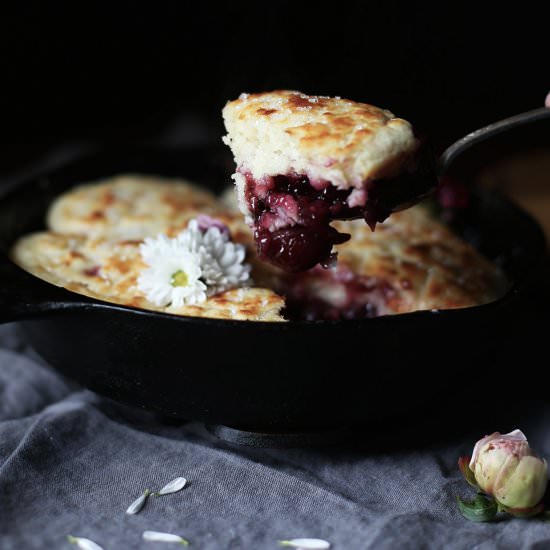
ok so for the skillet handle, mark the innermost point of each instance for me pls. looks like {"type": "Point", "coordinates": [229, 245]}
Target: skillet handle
{"type": "Point", "coordinates": [23, 296]}
{"type": "Point", "coordinates": [14, 304]}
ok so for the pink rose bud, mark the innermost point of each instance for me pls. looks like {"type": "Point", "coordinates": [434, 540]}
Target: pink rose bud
{"type": "Point", "coordinates": [506, 468]}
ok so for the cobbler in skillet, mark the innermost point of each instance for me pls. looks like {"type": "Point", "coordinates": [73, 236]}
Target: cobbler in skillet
{"type": "Point", "coordinates": [411, 262]}
{"type": "Point", "coordinates": [311, 170]}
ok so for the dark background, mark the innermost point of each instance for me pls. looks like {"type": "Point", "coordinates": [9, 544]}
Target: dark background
{"type": "Point", "coordinates": [123, 71]}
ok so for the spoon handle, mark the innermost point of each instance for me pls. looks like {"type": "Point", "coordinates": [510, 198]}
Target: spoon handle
{"type": "Point", "coordinates": [486, 133]}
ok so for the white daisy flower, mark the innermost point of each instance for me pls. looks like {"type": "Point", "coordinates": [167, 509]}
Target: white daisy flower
{"type": "Point", "coordinates": [173, 276]}
{"type": "Point", "coordinates": [201, 261]}
{"type": "Point", "coordinates": [221, 260]}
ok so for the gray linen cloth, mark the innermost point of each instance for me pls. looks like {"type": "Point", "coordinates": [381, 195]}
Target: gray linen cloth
{"type": "Point", "coordinates": [72, 462]}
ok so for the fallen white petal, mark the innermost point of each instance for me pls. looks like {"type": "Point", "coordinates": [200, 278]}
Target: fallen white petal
{"type": "Point", "coordinates": [137, 505]}
{"type": "Point", "coordinates": [156, 536]}
{"type": "Point", "coordinates": [173, 487]}
{"type": "Point", "coordinates": [84, 544]}
{"type": "Point", "coordinates": [307, 544]}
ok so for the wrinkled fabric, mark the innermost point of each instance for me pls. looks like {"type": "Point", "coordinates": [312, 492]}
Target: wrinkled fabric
{"type": "Point", "coordinates": [72, 462]}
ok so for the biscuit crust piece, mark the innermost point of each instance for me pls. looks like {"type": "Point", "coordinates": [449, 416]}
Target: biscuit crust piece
{"type": "Point", "coordinates": [129, 206]}
{"type": "Point", "coordinates": [328, 139]}
{"type": "Point", "coordinates": [304, 161]}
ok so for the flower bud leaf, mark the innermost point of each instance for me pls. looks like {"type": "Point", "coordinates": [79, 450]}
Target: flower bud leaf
{"type": "Point", "coordinates": [480, 509]}
{"type": "Point", "coordinates": [464, 465]}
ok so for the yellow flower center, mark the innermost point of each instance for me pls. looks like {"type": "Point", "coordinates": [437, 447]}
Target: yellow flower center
{"type": "Point", "coordinates": [179, 278]}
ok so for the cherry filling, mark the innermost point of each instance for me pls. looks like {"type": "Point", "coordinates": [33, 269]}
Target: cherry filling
{"type": "Point", "coordinates": [292, 215]}
{"type": "Point", "coordinates": [291, 220]}
{"type": "Point", "coordinates": [335, 294]}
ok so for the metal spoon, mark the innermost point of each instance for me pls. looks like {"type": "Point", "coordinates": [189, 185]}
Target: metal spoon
{"type": "Point", "coordinates": [458, 148]}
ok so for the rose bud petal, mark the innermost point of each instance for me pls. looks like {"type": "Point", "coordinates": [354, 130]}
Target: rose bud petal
{"type": "Point", "coordinates": [525, 486]}
{"type": "Point", "coordinates": [516, 435]}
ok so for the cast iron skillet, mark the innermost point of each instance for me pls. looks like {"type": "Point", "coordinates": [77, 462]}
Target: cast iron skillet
{"type": "Point", "coordinates": [264, 376]}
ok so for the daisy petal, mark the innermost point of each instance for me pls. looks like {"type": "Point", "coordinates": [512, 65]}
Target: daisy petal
{"type": "Point", "coordinates": [84, 544]}
{"type": "Point", "coordinates": [138, 504]}
{"type": "Point", "coordinates": [157, 536]}
{"type": "Point", "coordinates": [306, 544]}
{"type": "Point", "coordinates": [173, 487]}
